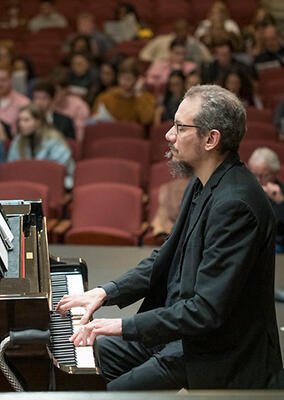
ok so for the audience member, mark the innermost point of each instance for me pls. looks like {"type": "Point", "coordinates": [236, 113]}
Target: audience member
{"type": "Point", "coordinates": [36, 139]}
{"type": "Point", "coordinates": [125, 25]}
{"type": "Point", "coordinates": [107, 78]}
{"type": "Point", "coordinates": [124, 103]}
{"type": "Point", "coordinates": [158, 73]}
{"type": "Point", "coordinates": [83, 76]}
{"type": "Point", "coordinates": [70, 105]}
{"type": "Point", "coordinates": [23, 75]}
{"type": "Point", "coordinates": [242, 86]}
{"type": "Point", "coordinates": [170, 196]}
{"type": "Point", "coordinates": [224, 61]}
{"type": "Point", "coordinates": [14, 17]}
{"type": "Point", "coordinates": [169, 103]}
{"type": "Point", "coordinates": [6, 53]}
{"type": "Point", "coordinates": [10, 101]}
{"type": "Point", "coordinates": [43, 96]}
{"type": "Point", "coordinates": [193, 79]}
{"type": "Point", "coordinates": [264, 164]}
{"type": "Point", "coordinates": [218, 15]}
{"type": "Point", "coordinates": [278, 119]}
{"type": "Point", "coordinates": [48, 17]}
{"type": "Point", "coordinates": [273, 54]}
{"type": "Point", "coordinates": [158, 48]}
{"type": "Point", "coordinates": [85, 25]}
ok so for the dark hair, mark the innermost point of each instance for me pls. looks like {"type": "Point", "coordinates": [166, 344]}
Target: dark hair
{"type": "Point", "coordinates": [28, 64]}
{"type": "Point", "coordinates": [130, 8]}
{"type": "Point", "coordinates": [86, 39]}
{"type": "Point", "coordinates": [177, 42]}
{"type": "Point", "coordinates": [46, 86]}
{"type": "Point", "coordinates": [178, 74]}
{"type": "Point", "coordinates": [246, 85]}
{"type": "Point", "coordinates": [225, 42]}
{"type": "Point", "coordinates": [82, 53]}
{"type": "Point", "coordinates": [220, 110]}
{"type": "Point", "coordinates": [129, 66]}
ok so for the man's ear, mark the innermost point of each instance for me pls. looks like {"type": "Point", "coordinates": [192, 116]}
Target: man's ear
{"type": "Point", "coordinates": [212, 139]}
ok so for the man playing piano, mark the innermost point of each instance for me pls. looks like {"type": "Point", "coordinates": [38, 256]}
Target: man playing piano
{"type": "Point", "coordinates": [208, 317]}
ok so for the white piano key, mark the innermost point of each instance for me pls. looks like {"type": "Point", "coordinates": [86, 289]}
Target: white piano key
{"type": "Point", "coordinates": [75, 286]}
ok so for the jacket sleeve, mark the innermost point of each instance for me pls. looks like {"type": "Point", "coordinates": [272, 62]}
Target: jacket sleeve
{"type": "Point", "coordinates": [230, 248]}
{"type": "Point", "coordinates": [131, 286]}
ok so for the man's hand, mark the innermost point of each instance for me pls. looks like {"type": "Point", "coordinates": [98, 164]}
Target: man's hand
{"type": "Point", "coordinates": [91, 300]}
{"type": "Point", "coordinates": [86, 334]}
{"type": "Point", "coordinates": [274, 192]}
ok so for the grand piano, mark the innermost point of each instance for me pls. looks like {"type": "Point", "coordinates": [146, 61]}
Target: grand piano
{"type": "Point", "coordinates": [35, 353]}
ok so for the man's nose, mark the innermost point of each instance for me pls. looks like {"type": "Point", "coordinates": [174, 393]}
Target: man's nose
{"type": "Point", "coordinates": [171, 134]}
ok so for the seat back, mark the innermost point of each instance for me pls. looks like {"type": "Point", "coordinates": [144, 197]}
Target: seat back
{"type": "Point", "coordinates": [103, 130]}
{"type": "Point", "coordinates": [248, 146]}
{"type": "Point", "coordinates": [159, 174]}
{"type": "Point", "coordinates": [159, 144]}
{"type": "Point", "coordinates": [107, 170]}
{"type": "Point", "coordinates": [46, 172]}
{"type": "Point", "coordinates": [257, 130]}
{"type": "Point", "coordinates": [26, 191]}
{"type": "Point", "coordinates": [111, 205]}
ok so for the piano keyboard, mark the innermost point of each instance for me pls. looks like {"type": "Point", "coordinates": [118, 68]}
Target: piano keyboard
{"type": "Point", "coordinates": [61, 328]}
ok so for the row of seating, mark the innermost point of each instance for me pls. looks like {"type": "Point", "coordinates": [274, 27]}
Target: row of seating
{"type": "Point", "coordinates": [108, 205]}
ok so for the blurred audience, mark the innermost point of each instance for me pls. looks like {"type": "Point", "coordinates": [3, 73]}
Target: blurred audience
{"type": "Point", "coordinates": [10, 101]}
{"type": "Point", "coordinates": [83, 76]}
{"type": "Point", "coordinates": [23, 75]}
{"type": "Point", "coordinates": [70, 105]}
{"type": "Point", "coordinates": [264, 164]}
{"type": "Point", "coordinates": [48, 17]}
{"type": "Point", "coordinates": [218, 16]}
{"type": "Point", "coordinates": [174, 93]}
{"type": "Point", "coordinates": [36, 139]}
{"type": "Point", "coordinates": [85, 25]}
{"type": "Point", "coordinates": [13, 18]}
{"type": "Point", "coordinates": [107, 78]}
{"type": "Point", "coordinates": [125, 25]}
{"type": "Point", "coordinates": [158, 48]}
{"type": "Point", "coordinates": [192, 79]}
{"type": "Point", "coordinates": [125, 102]}
{"type": "Point", "coordinates": [43, 96]}
{"type": "Point", "coordinates": [241, 85]}
{"type": "Point", "coordinates": [273, 54]}
{"type": "Point", "coordinates": [224, 61]}
{"type": "Point", "coordinates": [278, 118]}
{"type": "Point", "coordinates": [158, 73]}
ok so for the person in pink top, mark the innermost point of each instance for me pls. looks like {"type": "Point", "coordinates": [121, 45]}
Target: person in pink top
{"type": "Point", "coordinates": [158, 73]}
{"type": "Point", "coordinates": [70, 105]}
{"type": "Point", "coordinates": [10, 101]}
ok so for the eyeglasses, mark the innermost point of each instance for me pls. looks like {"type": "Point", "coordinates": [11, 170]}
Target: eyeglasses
{"type": "Point", "coordinates": [179, 127]}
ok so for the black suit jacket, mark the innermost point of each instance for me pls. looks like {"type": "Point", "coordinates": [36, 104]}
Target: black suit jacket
{"type": "Point", "coordinates": [226, 315]}
{"type": "Point", "coordinates": [63, 124]}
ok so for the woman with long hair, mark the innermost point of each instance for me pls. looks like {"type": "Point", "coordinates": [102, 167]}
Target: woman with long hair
{"type": "Point", "coordinates": [39, 140]}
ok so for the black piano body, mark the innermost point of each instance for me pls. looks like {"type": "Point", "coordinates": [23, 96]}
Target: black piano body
{"type": "Point", "coordinates": [26, 308]}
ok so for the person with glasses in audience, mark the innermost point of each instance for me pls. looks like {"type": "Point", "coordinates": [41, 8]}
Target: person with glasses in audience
{"type": "Point", "coordinates": [208, 316]}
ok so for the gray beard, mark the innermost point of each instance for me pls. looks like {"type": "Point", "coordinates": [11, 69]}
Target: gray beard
{"type": "Point", "coordinates": [180, 169]}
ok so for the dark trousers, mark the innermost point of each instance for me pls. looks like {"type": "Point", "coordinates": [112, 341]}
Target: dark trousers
{"type": "Point", "coordinates": [132, 366]}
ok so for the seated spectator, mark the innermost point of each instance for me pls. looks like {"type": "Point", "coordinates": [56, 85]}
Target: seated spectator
{"type": "Point", "coordinates": [70, 105]}
{"type": "Point", "coordinates": [170, 196]}
{"type": "Point", "coordinates": [48, 17]}
{"type": "Point", "coordinates": [224, 61]}
{"type": "Point", "coordinates": [36, 139]}
{"type": "Point", "coordinates": [218, 14]}
{"type": "Point", "coordinates": [123, 103]}
{"type": "Point", "coordinates": [6, 53]}
{"type": "Point", "coordinates": [173, 96]}
{"type": "Point", "coordinates": [23, 75]}
{"type": "Point", "coordinates": [158, 48]}
{"type": "Point", "coordinates": [158, 73]}
{"type": "Point", "coordinates": [107, 78]}
{"type": "Point", "coordinates": [10, 101]}
{"type": "Point", "coordinates": [273, 54]}
{"type": "Point", "coordinates": [278, 119]}
{"type": "Point", "coordinates": [242, 86]}
{"type": "Point", "coordinates": [193, 79]}
{"type": "Point", "coordinates": [14, 17]}
{"type": "Point", "coordinates": [125, 25]}
{"type": "Point", "coordinates": [83, 76]}
{"type": "Point", "coordinates": [43, 96]}
{"type": "Point", "coordinates": [253, 34]}
{"type": "Point", "coordinates": [100, 42]}
{"type": "Point", "coordinates": [264, 164]}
